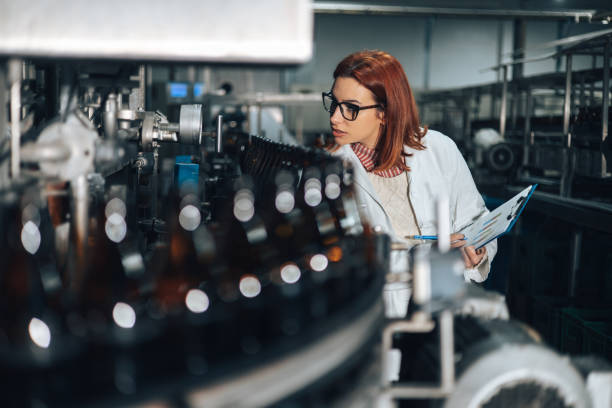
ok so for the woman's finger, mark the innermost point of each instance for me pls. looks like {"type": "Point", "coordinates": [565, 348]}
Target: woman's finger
{"type": "Point", "coordinates": [456, 240]}
{"type": "Point", "coordinates": [472, 255]}
{"type": "Point", "coordinates": [466, 259]}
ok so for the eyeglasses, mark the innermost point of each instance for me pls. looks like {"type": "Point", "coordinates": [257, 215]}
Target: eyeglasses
{"type": "Point", "coordinates": [348, 110]}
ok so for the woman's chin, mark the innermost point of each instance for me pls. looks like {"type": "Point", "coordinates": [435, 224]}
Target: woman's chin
{"type": "Point", "coordinates": [341, 141]}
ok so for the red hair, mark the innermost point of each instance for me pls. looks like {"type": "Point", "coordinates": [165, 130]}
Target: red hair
{"type": "Point", "coordinates": [384, 76]}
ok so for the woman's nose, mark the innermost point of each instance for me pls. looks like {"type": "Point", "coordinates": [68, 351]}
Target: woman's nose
{"type": "Point", "coordinates": [336, 117]}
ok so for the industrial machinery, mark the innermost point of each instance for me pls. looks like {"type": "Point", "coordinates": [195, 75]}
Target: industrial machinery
{"type": "Point", "coordinates": [157, 261]}
{"type": "Point", "coordinates": [130, 272]}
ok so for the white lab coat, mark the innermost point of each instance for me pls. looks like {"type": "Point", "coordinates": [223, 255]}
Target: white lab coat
{"type": "Point", "coordinates": [440, 168]}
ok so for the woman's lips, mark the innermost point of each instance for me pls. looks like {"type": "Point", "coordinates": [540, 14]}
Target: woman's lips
{"type": "Point", "coordinates": [338, 133]}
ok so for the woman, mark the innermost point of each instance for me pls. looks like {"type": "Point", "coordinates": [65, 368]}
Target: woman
{"type": "Point", "coordinates": [400, 168]}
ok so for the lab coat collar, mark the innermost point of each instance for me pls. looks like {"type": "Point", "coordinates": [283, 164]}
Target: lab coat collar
{"type": "Point", "coordinates": [360, 176]}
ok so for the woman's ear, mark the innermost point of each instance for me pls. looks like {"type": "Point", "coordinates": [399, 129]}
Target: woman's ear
{"type": "Point", "coordinates": [381, 116]}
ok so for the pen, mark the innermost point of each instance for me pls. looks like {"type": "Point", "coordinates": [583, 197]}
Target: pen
{"type": "Point", "coordinates": [427, 237]}
{"type": "Point", "coordinates": [432, 238]}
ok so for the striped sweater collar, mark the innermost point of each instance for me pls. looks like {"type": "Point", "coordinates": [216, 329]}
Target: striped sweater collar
{"type": "Point", "coordinates": [367, 157]}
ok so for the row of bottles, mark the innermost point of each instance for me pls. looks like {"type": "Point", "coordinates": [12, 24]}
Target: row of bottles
{"type": "Point", "coordinates": [263, 274]}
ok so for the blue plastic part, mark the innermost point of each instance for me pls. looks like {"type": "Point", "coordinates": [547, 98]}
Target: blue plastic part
{"type": "Point", "coordinates": [178, 90]}
{"type": "Point", "coordinates": [186, 172]}
{"type": "Point", "coordinates": [198, 89]}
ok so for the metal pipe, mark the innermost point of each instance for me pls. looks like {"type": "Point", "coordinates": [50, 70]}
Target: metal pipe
{"type": "Point", "coordinates": [220, 134]}
{"type": "Point", "coordinates": [141, 86]}
{"type": "Point", "coordinates": [467, 121]}
{"type": "Point", "coordinates": [110, 116]}
{"type": "Point", "coordinates": [592, 84]}
{"type": "Point", "coordinates": [574, 262]}
{"type": "Point", "coordinates": [527, 134]}
{"type": "Point", "coordinates": [299, 126]}
{"type": "Point", "coordinates": [149, 86]}
{"type": "Point", "coordinates": [447, 351]}
{"type": "Point", "coordinates": [80, 202]}
{"type": "Point", "coordinates": [567, 103]}
{"type": "Point", "coordinates": [259, 114]}
{"type": "Point", "coordinates": [504, 103]}
{"type": "Point", "coordinates": [605, 103]}
{"type": "Point", "coordinates": [582, 100]}
{"type": "Point", "coordinates": [170, 127]}
{"type": "Point", "coordinates": [4, 166]}
{"type": "Point", "coordinates": [568, 163]}
{"type": "Point", "coordinates": [500, 46]}
{"type": "Point", "coordinates": [421, 277]}
{"type": "Point", "coordinates": [427, 57]}
{"type": "Point", "coordinates": [355, 8]}
{"type": "Point", "coordinates": [155, 182]}
{"type": "Point", "coordinates": [14, 66]}
{"type": "Point", "coordinates": [519, 34]}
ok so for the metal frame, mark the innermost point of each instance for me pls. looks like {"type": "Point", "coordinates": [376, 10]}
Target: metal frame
{"type": "Point", "coordinates": [360, 8]}
{"type": "Point", "coordinates": [571, 84]}
{"type": "Point", "coordinates": [420, 323]}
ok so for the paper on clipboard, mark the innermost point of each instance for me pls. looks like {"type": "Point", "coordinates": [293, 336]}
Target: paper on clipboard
{"type": "Point", "coordinates": [497, 222]}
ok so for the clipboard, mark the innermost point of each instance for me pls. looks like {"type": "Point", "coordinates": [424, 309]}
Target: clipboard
{"type": "Point", "coordinates": [497, 222]}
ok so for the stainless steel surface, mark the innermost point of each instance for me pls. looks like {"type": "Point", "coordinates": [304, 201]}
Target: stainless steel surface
{"type": "Point", "coordinates": [273, 31]}
{"type": "Point", "coordinates": [270, 383]}
{"type": "Point", "coordinates": [75, 136]}
{"type": "Point", "coordinates": [220, 134]}
{"type": "Point", "coordinates": [43, 152]}
{"type": "Point", "coordinates": [14, 68]}
{"type": "Point", "coordinates": [360, 8]}
{"type": "Point", "coordinates": [127, 114]}
{"type": "Point", "coordinates": [190, 124]}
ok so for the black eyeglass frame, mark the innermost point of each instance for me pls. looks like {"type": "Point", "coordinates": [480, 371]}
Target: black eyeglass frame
{"type": "Point", "coordinates": [354, 108]}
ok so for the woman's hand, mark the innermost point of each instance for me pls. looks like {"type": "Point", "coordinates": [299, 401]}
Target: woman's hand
{"type": "Point", "coordinates": [471, 256]}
